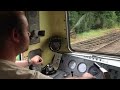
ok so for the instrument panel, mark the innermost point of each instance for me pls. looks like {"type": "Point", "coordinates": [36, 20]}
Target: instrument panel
{"type": "Point", "coordinates": [71, 65]}
{"type": "Point", "coordinates": [77, 66]}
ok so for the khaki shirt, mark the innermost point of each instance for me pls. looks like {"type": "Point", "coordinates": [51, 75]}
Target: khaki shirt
{"type": "Point", "coordinates": [9, 70]}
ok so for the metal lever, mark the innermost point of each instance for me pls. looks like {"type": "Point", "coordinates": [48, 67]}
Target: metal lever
{"type": "Point", "coordinates": [104, 71]}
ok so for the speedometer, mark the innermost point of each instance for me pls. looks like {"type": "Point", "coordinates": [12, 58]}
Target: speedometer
{"type": "Point", "coordinates": [82, 67]}
{"type": "Point", "coordinates": [72, 64]}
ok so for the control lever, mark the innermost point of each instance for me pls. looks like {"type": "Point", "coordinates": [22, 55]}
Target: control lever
{"type": "Point", "coordinates": [104, 71]}
{"type": "Point", "coordinates": [48, 70]}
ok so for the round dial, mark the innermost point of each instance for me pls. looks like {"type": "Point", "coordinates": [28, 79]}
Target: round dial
{"type": "Point", "coordinates": [94, 70]}
{"type": "Point", "coordinates": [55, 44]}
{"type": "Point", "coordinates": [72, 64]}
{"type": "Point", "coordinates": [82, 67]}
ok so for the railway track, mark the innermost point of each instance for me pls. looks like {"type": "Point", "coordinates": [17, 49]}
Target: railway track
{"type": "Point", "coordinates": [109, 43]}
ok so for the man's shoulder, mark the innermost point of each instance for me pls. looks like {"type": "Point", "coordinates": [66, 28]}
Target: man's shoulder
{"type": "Point", "coordinates": [17, 72]}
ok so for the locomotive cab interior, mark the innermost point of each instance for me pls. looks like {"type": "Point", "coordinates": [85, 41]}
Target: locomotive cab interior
{"type": "Point", "coordinates": [54, 39]}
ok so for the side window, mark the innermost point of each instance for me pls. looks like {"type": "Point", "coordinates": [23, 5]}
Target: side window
{"type": "Point", "coordinates": [18, 58]}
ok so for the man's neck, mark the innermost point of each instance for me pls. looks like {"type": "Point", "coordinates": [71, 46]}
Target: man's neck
{"type": "Point", "coordinates": [9, 55]}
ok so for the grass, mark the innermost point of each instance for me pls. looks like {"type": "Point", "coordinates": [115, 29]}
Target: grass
{"type": "Point", "coordinates": [93, 34]}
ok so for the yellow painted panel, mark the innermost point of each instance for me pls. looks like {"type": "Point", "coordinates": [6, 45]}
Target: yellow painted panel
{"type": "Point", "coordinates": [53, 22]}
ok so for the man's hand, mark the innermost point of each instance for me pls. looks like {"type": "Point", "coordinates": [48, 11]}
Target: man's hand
{"type": "Point", "coordinates": [36, 60]}
{"type": "Point", "coordinates": [87, 76]}
{"type": "Point", "coordinates": [84, 76]}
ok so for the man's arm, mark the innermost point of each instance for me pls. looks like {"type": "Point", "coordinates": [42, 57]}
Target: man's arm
{"type": "Point", "coordinates": [23, 63]}
{"type": "Point", "coordinates": [35, 60]}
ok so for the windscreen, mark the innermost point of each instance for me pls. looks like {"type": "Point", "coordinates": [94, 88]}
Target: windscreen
{"type": "Point", "coordinates": [95, 31]}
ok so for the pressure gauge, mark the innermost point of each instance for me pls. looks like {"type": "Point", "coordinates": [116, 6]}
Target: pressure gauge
{"type": "Point", "coordinates": [82, 67]}
{"type": "Point", "coordinates": [94, 70]}
{"type": "Point", "coordinates": [72, 64]}
{"type": "Point", "coordinates": [55, 43]}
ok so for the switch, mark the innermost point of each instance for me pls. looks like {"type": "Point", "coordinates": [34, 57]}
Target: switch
{"type": "Point", "coordinates": [72, 73]}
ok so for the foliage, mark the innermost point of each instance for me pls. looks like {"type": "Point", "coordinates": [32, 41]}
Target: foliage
{"type": "Point", "coordinates": [82, 21]}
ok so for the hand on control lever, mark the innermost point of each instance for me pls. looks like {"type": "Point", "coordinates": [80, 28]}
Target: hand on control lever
{"type": "Point", "coordinates": [84, 76]}
{"type": "Point", "coordinates": [36, 60]}
{"type": "Point", "coordinates": [87, 76]}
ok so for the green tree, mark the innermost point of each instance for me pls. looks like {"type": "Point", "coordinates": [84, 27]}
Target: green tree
{"type": "Point", "coordinates": [81, 21]}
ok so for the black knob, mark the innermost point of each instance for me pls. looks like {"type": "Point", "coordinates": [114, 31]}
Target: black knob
{"type": "Point", "coordinates": [48, 70]}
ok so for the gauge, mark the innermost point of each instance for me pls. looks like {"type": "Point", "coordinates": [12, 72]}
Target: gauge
{"type": "Point", "coordinates": [82, 67]}
{"type": "Point", "coordinates": [72, 64]}
{"type": "Point", "coordinates": [94, 70]}
{"type": "Point", "coordinates": [55, 43]}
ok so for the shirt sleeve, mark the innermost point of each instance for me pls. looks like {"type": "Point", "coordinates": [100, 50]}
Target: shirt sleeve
{"type": "Point", "coordinates": [31, 74]}
{"type": "Point", "coordinates": [38, 75]}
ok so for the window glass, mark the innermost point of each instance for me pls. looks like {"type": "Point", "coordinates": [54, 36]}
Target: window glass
{"type": "Point", "coordinates": [95, 31]}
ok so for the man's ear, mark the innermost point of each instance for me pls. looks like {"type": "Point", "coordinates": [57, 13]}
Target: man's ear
{"type": "Point", "coordinates": [15, 36]}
